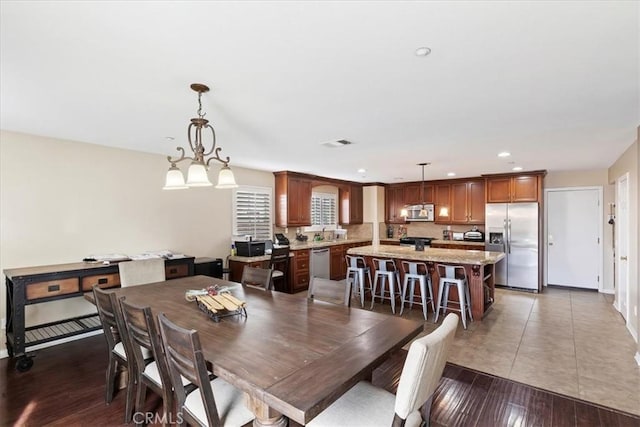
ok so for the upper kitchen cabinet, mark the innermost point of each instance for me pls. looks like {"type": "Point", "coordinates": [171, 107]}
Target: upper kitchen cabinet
{"type": "Point", "coordinates": [394, 202]}
{"type": "Point", "coordinates": [514, 187]}
{"type": "Point", "coordinates": [293, 200]}
{"type": "Point", "coordinates": [443, 203]}
{"type": "Point", "coordinates": [351, 204]}
{"type": "Point", "coordinates": [417, 193]}
{"type": "Point", "coordinates": [467, 203]}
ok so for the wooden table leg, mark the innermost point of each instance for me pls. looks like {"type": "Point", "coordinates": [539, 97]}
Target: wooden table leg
{"type": "Point", "coordinates": [265, 416]}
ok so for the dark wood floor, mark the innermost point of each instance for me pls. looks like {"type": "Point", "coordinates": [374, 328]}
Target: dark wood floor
{"type": "Point", "coordinates": [66, 387]}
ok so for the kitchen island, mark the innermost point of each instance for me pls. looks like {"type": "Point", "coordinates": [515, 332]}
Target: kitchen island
{"type": "Point", "coordinates": [479, 265]}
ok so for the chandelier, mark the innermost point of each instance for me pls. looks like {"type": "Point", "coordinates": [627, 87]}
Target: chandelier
{"type": "Point", "coordinates": [197, 172]}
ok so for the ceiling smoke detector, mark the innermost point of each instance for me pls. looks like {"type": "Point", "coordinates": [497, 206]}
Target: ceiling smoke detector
{"type": "Point", "coordinates": [336, 143]}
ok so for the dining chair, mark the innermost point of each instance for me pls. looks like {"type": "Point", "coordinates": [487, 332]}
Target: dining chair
{"type": "Point", "coordinates": [140, 272]}
{"type": "Point", "coordinates": [150, 372]}
{"type": "Point", "coordinates": [367, 405]}
{"type": "Point", "coordinates": [279, 263]}
{"type": "Point", "coordinates": [333, 291]}
{"type": "Point", "coordinates": [259, 278]}
{"type": "Point", "coordinates": [120, 352]}
{"type": "Point", "coordinates": [213, 402]}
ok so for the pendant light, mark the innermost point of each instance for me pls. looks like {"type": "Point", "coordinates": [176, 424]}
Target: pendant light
{"type": "Point", "coordinates": [197, 173]}
{"type": "Point", "coordinates": [423, 212]}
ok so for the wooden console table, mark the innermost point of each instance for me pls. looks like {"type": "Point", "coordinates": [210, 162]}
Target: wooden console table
{"type": "Point", "coordinates": [35, 285]}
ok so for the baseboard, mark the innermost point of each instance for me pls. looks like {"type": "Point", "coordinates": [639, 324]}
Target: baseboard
{"type": "Point", "coordinates": [5, 353]}
{"type": "Point", "coordinates": [607, 291]}
{"type": "Point", "coordinates": [638, 358]}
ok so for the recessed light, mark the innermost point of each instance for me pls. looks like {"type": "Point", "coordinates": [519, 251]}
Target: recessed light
{"type": "Point", "coordinates": [504, 154]}
{"type": "Point", "coordinates": [336, 143]}
{"type": "Point", "coordinates": [451, 174]}
{"type": "Point", "coordinates": [517, 168]}
{"type": "Point", "coordinates": [362, 170]}
{"type": "Point", "coordinates": [423, 51]}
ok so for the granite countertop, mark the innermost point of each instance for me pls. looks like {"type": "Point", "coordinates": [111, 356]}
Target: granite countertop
{"type": "Point", "coordinates": [296, 246]}
{"type": "Point", "coordinates": [459, 242]}
{"type": "Point", "coordinates": [451, 256]}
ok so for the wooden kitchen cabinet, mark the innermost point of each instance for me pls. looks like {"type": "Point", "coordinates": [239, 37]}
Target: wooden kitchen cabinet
{"type": "Point", "coordinates": [442, 200]}
{"type": "Point", "coordinates": [467, 203]}
{"type": "Point", "coordinates": [514, 188]}
{"type": "Point", "coordinates": [292, 200]}
{"type": "Point", "coordinates": [299, 271]}
{"type": "Point", "coordinates": [338, 262]}
{"type": "Point", "coordinates": [415, 194]}
{"type": "Point", "coordinates": [394, 202]}
{"type": "Point", "coordinates": [351, 204]}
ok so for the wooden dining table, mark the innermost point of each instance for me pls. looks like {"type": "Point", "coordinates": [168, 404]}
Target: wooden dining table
{"type": "Point", "coordinates": [291, 356]}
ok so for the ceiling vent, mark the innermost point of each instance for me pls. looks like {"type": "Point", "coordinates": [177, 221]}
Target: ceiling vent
{"type": "Point", "coordinates": [337, 143]}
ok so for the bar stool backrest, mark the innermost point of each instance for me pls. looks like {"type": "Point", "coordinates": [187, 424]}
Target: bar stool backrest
{"type": "Point", "coordinates": [355, 261]}
{"type": "Point", "coordinates": [385, 264]}
{"type": "Point", "coordinates": [451, 271]}
{"type": "Point", "coordinates": [415, 268]}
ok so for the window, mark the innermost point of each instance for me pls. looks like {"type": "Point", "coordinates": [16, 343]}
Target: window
{"type": "Point", "coordinates": [252, 212]}
{"type": "Point", "coordinates": [323, 212]}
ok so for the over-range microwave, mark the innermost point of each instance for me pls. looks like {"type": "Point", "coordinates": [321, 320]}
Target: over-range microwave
{"type": "Point", "coordinates": [413, 212]}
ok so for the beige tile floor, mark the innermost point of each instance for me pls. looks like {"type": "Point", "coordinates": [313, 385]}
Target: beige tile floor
{"type": "Point", "coordinates": [571, 342]}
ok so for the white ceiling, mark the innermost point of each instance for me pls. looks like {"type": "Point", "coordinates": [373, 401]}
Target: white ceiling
{"type": "Point", "coordinates": [554, 83]}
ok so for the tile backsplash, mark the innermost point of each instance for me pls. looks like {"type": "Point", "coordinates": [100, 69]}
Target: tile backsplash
{"type": "Point", "coordinates": [359, 231]}
{"type": "Point", "coordinates": [423, 229]}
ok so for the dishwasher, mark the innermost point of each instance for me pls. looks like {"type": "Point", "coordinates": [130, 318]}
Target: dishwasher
{"type": "Point", "coordinates": [320, 263]}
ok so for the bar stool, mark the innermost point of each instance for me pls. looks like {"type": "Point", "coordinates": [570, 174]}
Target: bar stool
{"type": "Point", "coordinates": [356, 269]}
{"type": "Point", "coordinates": [451, 275]}
{"type": "Point", "coordinates": [417, 271]}
{"type": "Point", "coordinates": [386, 271]}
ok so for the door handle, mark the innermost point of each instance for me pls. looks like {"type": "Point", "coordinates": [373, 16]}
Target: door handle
{"type": "Point", "coordinates": [550, 243]}
{"type": "Point", "coordinates": [623, 258]}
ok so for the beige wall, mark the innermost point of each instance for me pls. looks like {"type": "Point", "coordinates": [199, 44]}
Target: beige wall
{"type": "Point", "coordinates": [373, 209]}
{"type": "Point", "coordinates": [61, 201]}
{"type": "Point", "coordinates": [590, 178]}
{"type": "Point", "coordinates": [628, 162]}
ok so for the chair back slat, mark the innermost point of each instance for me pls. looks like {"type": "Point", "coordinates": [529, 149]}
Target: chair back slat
{"type": "Point", "coordinates": [451, 271]}
{"type": "Point", "coordinates": [336, 292]}
{"type": "Point", "coordinates": [185, 359]}
{"type": "Point", "coordinates": [106, 303]}
{"type": "Point", "coordinates": [257, 278]}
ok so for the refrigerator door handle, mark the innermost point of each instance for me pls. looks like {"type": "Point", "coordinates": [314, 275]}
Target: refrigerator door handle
{"type": "Point", "coordinates": [508, 221]}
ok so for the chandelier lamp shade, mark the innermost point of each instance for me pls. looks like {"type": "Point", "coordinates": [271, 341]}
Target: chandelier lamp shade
{"type": "Point", "coordinates": [197, 173]}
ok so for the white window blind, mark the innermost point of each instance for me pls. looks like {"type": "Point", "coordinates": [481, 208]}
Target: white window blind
{"type": "Point", "coordinates": [324, 211]}
{"type": "Point", "coordinates": [252, 212]}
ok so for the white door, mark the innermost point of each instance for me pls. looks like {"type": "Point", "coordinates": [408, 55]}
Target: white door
{"type": "Point", "coordinates": [622, 244]}
{"type": "Point", "coordinates": [574, 251]}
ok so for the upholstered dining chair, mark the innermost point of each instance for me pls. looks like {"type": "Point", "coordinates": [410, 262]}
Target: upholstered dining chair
{"type": "Point", "coordinates": [141, 272]}
{"type": "Point", "coordinates": [144, 338]}
{"type": "Point", "coordinates": [119, 349]}
{"type": "Point", "coordinates": [366, 405]}
{"type": "Point", "coordinates": [255, 277]}
{"type": "Point", "coordinates": [333, 291]}
{"type": "Point", "coordinates": [279, 263]}
{"type": "Point", "coordinates": [213, 402]}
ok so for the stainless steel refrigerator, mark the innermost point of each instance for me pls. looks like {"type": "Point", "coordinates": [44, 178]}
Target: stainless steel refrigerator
{"type": "Point", "coordinates": [512, 228]}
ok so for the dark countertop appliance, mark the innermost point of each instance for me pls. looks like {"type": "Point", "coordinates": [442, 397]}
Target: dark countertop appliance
{"type": "Point", "coordinates": [253, 248]}
{"type": "Point", "coordinates": [411, 241]}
